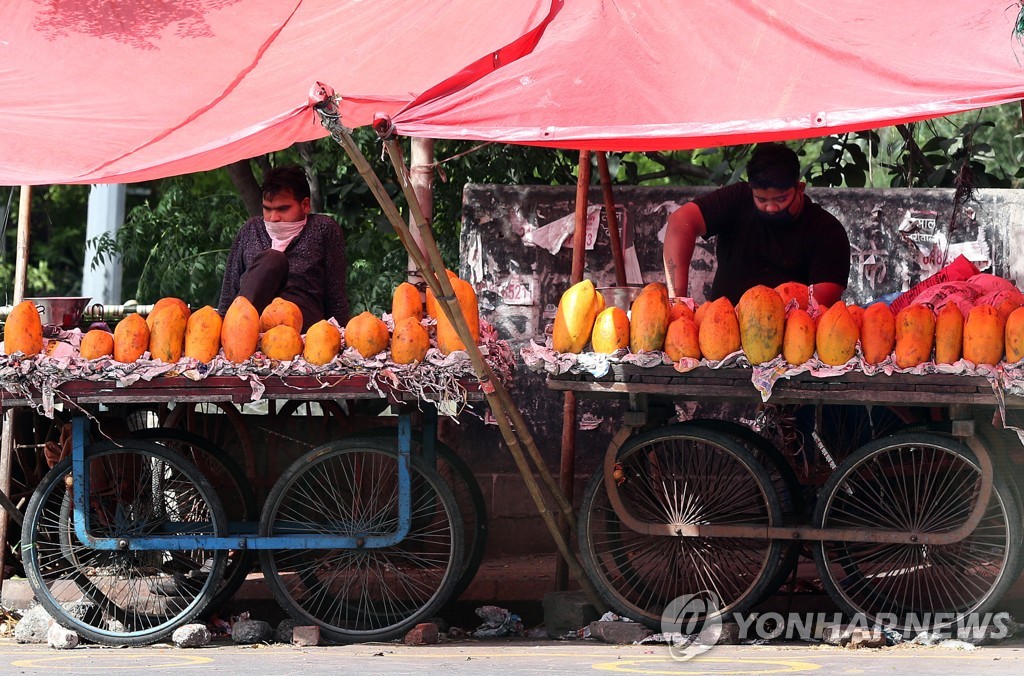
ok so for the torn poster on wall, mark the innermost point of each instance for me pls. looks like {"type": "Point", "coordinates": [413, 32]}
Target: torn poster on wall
{"type": "Point", "coordinates": [558, 233]}
{"type": "Point", "coordinates": [920, 229]}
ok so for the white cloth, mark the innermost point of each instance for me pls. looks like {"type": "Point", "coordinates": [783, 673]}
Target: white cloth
{"type": "Point", "coordinates": [283, 232]}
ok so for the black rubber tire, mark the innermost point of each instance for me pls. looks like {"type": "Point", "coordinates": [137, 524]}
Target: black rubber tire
{"type": "Point", "coordinates": [468, 496]}
{"type": "Point", "coordinates": [783, 478]}
{"type": "Point", "coordinates": [233, 489]}
{"type": "Point", "coordinates": [638, 575]}
{"type": "Point", "coordinates": [916, 481]}
{"type": "Point", "coordinates": [52, 554]}
{"type": "Point", "coordinates": [426, 564]}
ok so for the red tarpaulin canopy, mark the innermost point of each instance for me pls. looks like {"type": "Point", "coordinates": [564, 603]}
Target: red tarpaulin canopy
{"type": "Point", "coordinates": [125, 91]}
{"type": "Point", "coordinates": [665, 74]}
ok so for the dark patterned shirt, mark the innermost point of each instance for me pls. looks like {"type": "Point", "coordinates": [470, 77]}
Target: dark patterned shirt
{"type": "Point", "coordinates": [316, 267]}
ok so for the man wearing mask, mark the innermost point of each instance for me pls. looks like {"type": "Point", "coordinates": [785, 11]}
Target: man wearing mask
{"type": "Point", "coordinates": [288, 253]}
{"type": "Point", "coordinates": [768, 232]}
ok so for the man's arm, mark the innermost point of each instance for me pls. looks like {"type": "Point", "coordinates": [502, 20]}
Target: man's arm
{"type": "Point", "coordinates": [685, 225]}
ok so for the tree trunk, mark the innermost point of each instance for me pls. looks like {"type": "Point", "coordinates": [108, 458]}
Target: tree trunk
{"type": "Point", "coordinates": [247, 186]}
{"type": "Point", "coordinates": [308, 154]}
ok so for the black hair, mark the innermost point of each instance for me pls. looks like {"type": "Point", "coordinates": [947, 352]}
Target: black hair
{"type": "Point", "coordinates": [773, 165]}
{"type": "Point", "coordinates": [289, 177]}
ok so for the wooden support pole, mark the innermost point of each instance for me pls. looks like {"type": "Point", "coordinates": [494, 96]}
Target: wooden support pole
{"type": "Point", "coordinates": [615, 242]}
{"type": "Point", "coordinates": [7, 440]}
{"type": "Point", "coordinates": [567, 459]}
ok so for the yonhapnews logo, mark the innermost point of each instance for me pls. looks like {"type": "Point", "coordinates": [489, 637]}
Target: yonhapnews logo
{"type": "Point", "coordinates": [693, 624]}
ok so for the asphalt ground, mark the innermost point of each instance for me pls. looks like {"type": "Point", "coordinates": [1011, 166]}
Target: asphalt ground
{"type": "Point", "coordinates": [513, 656]}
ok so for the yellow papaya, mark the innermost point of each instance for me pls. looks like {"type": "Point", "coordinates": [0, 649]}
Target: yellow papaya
{"type": "Point", "coordinates": [410, 341]}
{"type": "Point", "coordinates": [167, 333]}
{"type": "Point", "coordinates": [281, 311]}
{"type": "Point", "coordinates": [648, 319]}
{"type": "Point", "coordinates": [23, 330]}
{"type": "Point", "coordinates": [281, 342]}
{"type": "Point", "coordinates": [984, 337]}
{"type": "Point", "coordinates": [240, 330]}
{"type": "Point", "coordinates": [915, 335]}
{"type": "Point", "coordinates": [202, 334]}
{"type": "Point", "coordinates": [682, 339]}
{"type": "Point", "coordinates": [949, 334]}
{"type": "Point", "coordinates": [719, 331]}
{"type": "Point", "coordinates": [837, 335]}
{"type": "Point", "coordinates": [762, 317]}
{"type": "Point", "coordinates": [799, 337]}
{"type": "Point", "coordinates": [611, 330]}
{"type": "Point", "coordinates": [131, 339]}
{"type": "Point", "coordinates": [878, 333]}
{"type": "Point", "coordinates": [406, 302]}
{"type": "Point", "coordinates": [574, 319]}
{"type": "Point", "coordinates": [367, 333]}
{"type": "Point", "coordinates": [97, 343]}
{"type": "Point", "coordinates": [323, 342]}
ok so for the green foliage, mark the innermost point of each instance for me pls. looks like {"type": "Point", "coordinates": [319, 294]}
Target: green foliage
{"type": "Point", "coordinates": [57, 229]}
{"type": "Point", "coordinates": [178, 246]}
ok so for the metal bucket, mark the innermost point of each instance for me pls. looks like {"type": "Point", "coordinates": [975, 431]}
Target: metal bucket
{"type": "Point", "coordinates": [620, 296]}
{"type": "Point", "coordinates": [63, 311]}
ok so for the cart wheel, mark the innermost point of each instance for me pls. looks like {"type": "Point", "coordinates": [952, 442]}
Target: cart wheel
{"type": "Point", "coordinates": [783, 479]}
{"type": "Point", "coordinates": [222, 423]}
{"type": "Point", "coordinates": [468, 496]}
{"type": "Point", "coordinates": [123, 597]}
{"type": "Point", "coordinates": [686, 475]}
{"type": "Point", "coordinates": [350, 487]}
{"type": "Point", "coordinates": [920, 482]}
{"type": "Point", "coordinates": [231, 487]}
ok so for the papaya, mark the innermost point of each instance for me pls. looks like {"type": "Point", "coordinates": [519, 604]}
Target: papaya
{"type": "Point", "coordinates": [837, 335]}
{"type": "Point", "coordinates": [719, 331]}
{"type": "Point", "coordinates": [677, 310]}
{"type": "Point", "coordinates": [240, 330]}
{"type": "Point", "coordinates": [131, 339]}
{"type": "Point", "coordinates": [281, 311]}
{"type": "Point", "coordinates": [682, 339]}
{"type": "Point", "coordinates": [611, 330]}
{"type": "Point", "coordinates": [323, 342]}
{"type": "Point", "coordinates": [281, 342]}
{"type": "Point", "coordinates": [406, 302]}
{"type": "Point", "coordinates": [857, 312]}
{"type": "Point", "coordinates": [574, 319]}
{"type": "Point", "coordinates": [762, 316]}
{"type": "Point", "coordinates": [949, 334]}
{"type": "Point", "coordinates": [202, 334]}
{"type": "Point", "coordinates": [1014, 336]}
{"type": "Point", "coordinates": [167, 333]}
{"type": "Point", "coordinates": [23, 331]}
{"type": "Point", "coordinates": [448, 340]}
{"type": "Point", "coordinates": [648, 319]}
{"type": "Point", "coordinates": [702, 309]}
{"type": "Point", "coordinates": [97, 343]}
{"type": "Point", "coordinates": [367, 333]}
{"type": "Point", "coordinates": [878, 333]}
{"type": "Point", "coordinates": [915, 335]}
{"type": "Point", "coordinates": [984, 337]}
{"type": "Point", "coordinates": [798, 338]}
{"type": "Point", "coordinates": [410, 342]}
{"type": "Point", "coordinates": [433, 308]}
{"type": "Point", "coordinates": [164, 302]}
{"type": "Point", "coordinates": [794, 291]}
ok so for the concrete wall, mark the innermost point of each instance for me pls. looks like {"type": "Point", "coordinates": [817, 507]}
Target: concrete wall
{"type": "Point", "coordinates": [898, 237]}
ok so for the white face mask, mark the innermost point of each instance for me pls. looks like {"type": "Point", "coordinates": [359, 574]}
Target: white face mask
{"type": "Point", "coordinates": [283, 232]}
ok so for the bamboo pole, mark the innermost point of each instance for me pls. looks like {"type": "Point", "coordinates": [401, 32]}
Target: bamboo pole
{"type": "Point", "coordinates": [507, 415]}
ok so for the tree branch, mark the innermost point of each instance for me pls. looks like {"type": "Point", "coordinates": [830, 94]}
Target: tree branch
{"type": "Point", "coordinates": [915, 150]}
{"type": "Point", "coordinates": [247, 187]}
{"type": "Point", "coordinates": [674, 167]}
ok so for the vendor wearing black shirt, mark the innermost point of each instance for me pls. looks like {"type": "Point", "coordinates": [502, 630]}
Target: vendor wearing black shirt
{"type": "Point", "coordinates": [768, 232]}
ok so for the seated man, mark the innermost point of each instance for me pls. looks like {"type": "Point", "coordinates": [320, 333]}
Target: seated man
{"type": "Point", "coordinates": [288, 253]}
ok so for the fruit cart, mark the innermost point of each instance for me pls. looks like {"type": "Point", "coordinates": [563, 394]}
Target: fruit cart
{"type": "Point", "coordinates": [912, 524]}
{"type": "Point", "coordinates": [131, 536]}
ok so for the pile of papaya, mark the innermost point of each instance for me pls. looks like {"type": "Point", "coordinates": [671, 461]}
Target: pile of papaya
{"type": "Point", "coordinates": [172, 331]}
{"type": "Point", "coordinates": [771, 322]}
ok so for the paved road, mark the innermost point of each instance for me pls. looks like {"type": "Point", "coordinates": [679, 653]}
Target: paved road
{"type": "Point", "coordinates": [510, 656]}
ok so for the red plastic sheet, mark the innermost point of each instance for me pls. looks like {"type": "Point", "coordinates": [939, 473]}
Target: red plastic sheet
{"type": "Point", "coordinates": [673, 74]}
{"type": "Point", "coordinates": [128, 90]}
